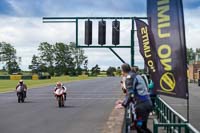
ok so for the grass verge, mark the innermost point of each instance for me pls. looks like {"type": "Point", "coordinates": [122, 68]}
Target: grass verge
{"type": "Point", "coordinates": [9, 85]}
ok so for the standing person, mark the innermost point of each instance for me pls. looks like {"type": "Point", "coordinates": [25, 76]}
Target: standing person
{"type": "Point", "coordinates": [146, 79]}
{"type": "Point", "coordinates": [123, 85]}
{"type": "Point", "coordinates": [153, 94]}
{"type": "Point", "coordinates": [143, 106]}
{"type": "Point", "coordinates": [23, 86]}
{"type": "Point", "coordinates": [135, 69]}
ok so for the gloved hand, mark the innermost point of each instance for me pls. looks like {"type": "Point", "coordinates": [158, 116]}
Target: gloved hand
{"type": "Point", "coordinates": [118, 106]}
{"type": "Point", "coordinates": [126, 101]}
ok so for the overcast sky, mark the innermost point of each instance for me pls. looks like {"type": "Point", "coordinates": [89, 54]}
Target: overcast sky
{"type": "Point", "coordinates": [21, 25]}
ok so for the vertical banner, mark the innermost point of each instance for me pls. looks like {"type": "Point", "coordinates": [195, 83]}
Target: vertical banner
{"type": "Point", "coordinates": [147, 48]}
{"type": "Point", "coordinates": [166, 20]}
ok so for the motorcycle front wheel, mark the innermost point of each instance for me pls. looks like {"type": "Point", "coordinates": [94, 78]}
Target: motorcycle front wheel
{"type": "Point", "coordinates": [18, 99]}
{"type": "Point", "coordinates": [59, 102]}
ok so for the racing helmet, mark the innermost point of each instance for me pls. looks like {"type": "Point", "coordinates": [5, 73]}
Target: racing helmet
{"type": "Point", "coordinates": [58, 84]}
{"type": "Point", "coordinates": [21, 81]}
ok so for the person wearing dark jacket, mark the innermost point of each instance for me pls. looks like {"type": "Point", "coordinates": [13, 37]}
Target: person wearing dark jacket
{"type": "Point", "coordinates": [136, 86]}
{"type": "Point", "coordinates": [153, 94]}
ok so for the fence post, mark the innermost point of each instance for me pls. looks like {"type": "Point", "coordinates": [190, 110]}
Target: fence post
{"type": "Point", "coordinates": [155, 126]}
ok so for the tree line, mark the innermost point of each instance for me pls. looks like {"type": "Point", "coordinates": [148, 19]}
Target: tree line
{"type": "Point", "coordinates": [8, 55]}
{"type": "Point", "coordinates": [59, 59]}
{"type": "Point", "coordinates": [55, 59]}
{"type": "Point", "coordinates": [191, 53]}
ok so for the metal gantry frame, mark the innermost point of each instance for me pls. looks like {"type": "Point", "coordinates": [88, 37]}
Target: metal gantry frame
{"type": "Point", "coordinates": [76, 20]}
{"type": "Point", "coordinates": [131, 46]}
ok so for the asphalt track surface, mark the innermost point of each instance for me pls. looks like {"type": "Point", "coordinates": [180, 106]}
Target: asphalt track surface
{"type": "Point", "coordinates": [86, 110]}
{"type": "Point", "coordinates": [180, 105]}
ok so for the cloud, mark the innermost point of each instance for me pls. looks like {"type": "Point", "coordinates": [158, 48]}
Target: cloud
{"type": "Point", "coordinates": [104, 57]}
{"type": "Point", "coordinates": [191, 4]}
{"type": "Point", "coordinates": [25, 34]}
{"type": "Point", "coordinates": [22, 26]}
{"type": "Point", "coordinates": [5, 8]}
{"type": "Point", "coordinates": [39, 8]}
{"type": "Point", "coordinates": [192, 19]}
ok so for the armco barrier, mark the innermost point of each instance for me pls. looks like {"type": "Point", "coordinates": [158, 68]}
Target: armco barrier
{"type": "Point", "coordinates": [35, 77]}
{"type": "Point", "coordinates": [44, 77]}
{"type": "Point", "coordinates": [15, 77]}
{"type": "Point", "coordinates": [27, 77]}
{"type": "Point", "coordinates": [4, 77]}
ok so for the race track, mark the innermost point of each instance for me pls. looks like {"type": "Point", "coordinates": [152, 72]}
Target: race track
{"type": "Point", "coordinates": [180, 105]}
{"type": "Point", "coordinates": [87, 109]}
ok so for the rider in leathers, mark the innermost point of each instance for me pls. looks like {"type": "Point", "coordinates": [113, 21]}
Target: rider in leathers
{"type": "Point", "coordinates": [24, 87]}
{"type": "Point", "coordinates": [143, 106]}
{"type": "Point", "coordinates": [60, 85]}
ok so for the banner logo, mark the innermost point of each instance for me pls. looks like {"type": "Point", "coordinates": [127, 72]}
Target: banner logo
{"type": "Point", "coordinates": [167, 82]}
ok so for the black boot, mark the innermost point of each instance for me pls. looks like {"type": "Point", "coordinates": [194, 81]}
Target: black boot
{"type": "Point", "coordinates": [65, 96]}
{"type": "Point", "coordinates": [24, 94]}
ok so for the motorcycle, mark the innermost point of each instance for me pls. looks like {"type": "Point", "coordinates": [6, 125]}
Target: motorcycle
{"type": "Point", "coordinates": [20, 94]}
{"type": "Point", "coordinates": [59, 93]}
{"type": "Point", "coordinates": [130, 115]}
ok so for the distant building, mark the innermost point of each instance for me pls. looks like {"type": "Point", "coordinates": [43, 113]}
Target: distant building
{"type": "Point", "coordinates": [194, 69]}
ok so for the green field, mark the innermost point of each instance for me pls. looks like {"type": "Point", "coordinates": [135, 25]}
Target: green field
{"type": "Point", "coordinates": [9, 85]}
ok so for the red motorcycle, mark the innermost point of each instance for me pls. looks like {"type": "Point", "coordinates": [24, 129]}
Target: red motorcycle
{"type": "Point", "coordinates": [59, 93]}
